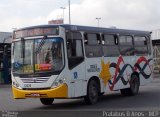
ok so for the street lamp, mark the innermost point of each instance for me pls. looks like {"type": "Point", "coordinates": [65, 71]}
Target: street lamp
{"type": "Point", "coordinates": [63, 8]}
{"type": "Point", "coordinates": [98, 18]}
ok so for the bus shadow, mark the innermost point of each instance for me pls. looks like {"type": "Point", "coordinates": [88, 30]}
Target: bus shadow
{"type": "Point", "coordinates": [107, 101]}
{"type": "Point", "coordinates": [79, 104]}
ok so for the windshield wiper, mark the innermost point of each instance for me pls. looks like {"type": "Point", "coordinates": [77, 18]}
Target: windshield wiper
{"type": "Point", "coordinates": [41, 44]}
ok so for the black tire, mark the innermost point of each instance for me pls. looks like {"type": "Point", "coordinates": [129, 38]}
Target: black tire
{"type": "Point", "coordinates": [47, 101]}
{"type": "Point", "coordinates": [92, 93]}
{"type": "Point", "coordinates": [134, 87]}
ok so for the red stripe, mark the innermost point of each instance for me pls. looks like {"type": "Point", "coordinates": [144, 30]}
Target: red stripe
{"type": "Point", "coordinates": [120, 60]}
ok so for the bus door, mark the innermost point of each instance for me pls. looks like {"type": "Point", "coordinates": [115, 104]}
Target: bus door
{"type": "Point", "coordinates": [76, 63]}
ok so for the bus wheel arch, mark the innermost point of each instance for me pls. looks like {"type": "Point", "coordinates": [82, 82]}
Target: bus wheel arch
{"type": "Point", "coordinates": [93, 90]}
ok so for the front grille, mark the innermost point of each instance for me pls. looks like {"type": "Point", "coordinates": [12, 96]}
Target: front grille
{"type": "Point", "coordinates": [36, 88]}
{"type": "Point", "coordinates": [35, 80]}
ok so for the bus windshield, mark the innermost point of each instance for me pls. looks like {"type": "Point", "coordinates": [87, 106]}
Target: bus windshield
{"type": "Point", "coordinates": [38, 55]}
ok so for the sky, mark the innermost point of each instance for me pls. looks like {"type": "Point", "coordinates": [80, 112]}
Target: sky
{"type": "Point", "coordinates": [126, 14]}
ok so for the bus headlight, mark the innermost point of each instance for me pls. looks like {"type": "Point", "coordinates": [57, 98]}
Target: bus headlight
{"type": "Point", "coordinates": [55, 84]}
{"type": "Point", "coordinates": [58, 82]}
{"type": "Point", "coordinates": [15, 84]}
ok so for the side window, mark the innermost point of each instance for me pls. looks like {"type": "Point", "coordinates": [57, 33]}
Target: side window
{"type": "Point", "coordinates": [126, 45]}
{"type": "Point", "coordinates": [149, 44]}
{"type": "Point", "coordinates": [110, 45]}
{"type": "Point", "coordinates": [93, 45]}
{"type": "Point", "coordinates": [125, 40]}
{"type": "Point", "coordinates": [74, 49]}
{"type": "Point", "coordinates": [140, 44]}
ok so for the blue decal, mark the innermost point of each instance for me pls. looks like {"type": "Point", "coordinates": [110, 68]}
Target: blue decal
{"type": "Point", "coordinates": [75, 75]}
{"type": "Point", "coordinates": [17, 64]}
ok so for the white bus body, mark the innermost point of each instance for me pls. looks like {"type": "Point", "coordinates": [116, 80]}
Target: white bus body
{"type": "Point", "coordinates": [86, 62]}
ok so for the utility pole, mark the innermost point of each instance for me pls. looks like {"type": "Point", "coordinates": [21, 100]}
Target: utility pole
{"type": "Point", "coordinates": [69, 12]}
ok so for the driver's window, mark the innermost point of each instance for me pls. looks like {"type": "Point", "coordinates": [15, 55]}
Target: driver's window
{"type": "Point", "coordinates": [74, 49]}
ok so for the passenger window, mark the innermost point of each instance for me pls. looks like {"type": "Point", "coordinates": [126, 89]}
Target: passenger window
{"type": "Point", "coordinates": [74, 49]}
{"type": "Point", "coordinates": [125, 40]}
{"type": "Point", "coordinates": [126, 45]}
{"type": "Point", "coordinates": [93, 45]}
{"type": "Point", "coordinates": [92, 39]}
{"type": "Point", "coordinates": [109, 40]}
{"type": "Point", "coordinates": [110, 45]}
{"type": "Point", "coordinates": [140, 43]}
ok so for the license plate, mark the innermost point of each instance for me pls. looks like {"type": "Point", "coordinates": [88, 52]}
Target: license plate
{"type": "Point", "coordinates": [35, 95]}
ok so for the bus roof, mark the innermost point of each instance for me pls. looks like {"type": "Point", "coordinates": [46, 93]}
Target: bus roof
{"type": "Point", "coordinates": [92, 29]}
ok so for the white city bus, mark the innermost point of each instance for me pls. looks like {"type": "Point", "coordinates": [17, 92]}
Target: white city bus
{"type": "Point", "coordinates": [69, 61]}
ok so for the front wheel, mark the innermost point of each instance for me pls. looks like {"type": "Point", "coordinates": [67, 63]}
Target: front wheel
{"type": "Point", "coordinates": [134, 87]}
{"type": "Point", "coordinates": [47, 101]}
{"type": "Point", "coordinates": [92, 92]}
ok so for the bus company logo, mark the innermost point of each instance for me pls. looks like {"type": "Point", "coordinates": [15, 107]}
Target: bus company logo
{"type": "Point", "coordinates": [34, 80]}
{"type": "Point", "coordinates": [93, 68]}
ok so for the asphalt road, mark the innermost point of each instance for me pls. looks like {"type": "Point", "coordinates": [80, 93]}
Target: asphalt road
{"type": "Point", "coordinates": [147, 99]}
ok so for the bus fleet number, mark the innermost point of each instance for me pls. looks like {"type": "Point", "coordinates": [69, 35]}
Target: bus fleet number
{"type": "Point", "coordinates": [27, 85]}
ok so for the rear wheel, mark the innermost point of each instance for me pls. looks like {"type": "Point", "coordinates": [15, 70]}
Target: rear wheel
{"type": "Point", "coordinates": [92, 92]}
{"type": "Point", "coordinates": [47, 101]}
{"type": "Point", "coordinates": [134, 87]}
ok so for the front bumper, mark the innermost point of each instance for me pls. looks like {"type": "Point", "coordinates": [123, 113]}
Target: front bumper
{"type": "Point", "coordinates": [58, 92]}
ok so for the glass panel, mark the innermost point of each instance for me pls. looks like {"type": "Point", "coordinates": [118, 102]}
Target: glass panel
{"type": "Point", "coordinates": [28, 58]}
{"type": "Point", "coordinates": [127, 50]}
{"type": "Point", "coordinates": [109, 40]}
{"type": "Point", "coordinates": [17, 57]}
{"type": "Point", "coordinates": [141, 45]}
{"type": "Point", "coordinates": [74, 35]}
{"type": "Point", "coordinates": [74, 48]}
{"type": "Point", "coordinates": [92, 39]}
{"type": "Point", "coordinates": [141, 50]}
{"type": "Point", "coordinates": [140, 41]}
{"type": "Point", "coordinates": [111, 51]}
{"type": "Point", "coordinates": [125, 40]}
{"type": "Point", "coordinates": [93, 51]}
{"type": "Point", "coordinates": [49, 55]}
{"type": "Point", "coordinates": [35, 32]}
{"type": "Point", "coordinates": [20, 64]}
{"type": "Point", "coordinates": [79, 52]}
{"type": "Point", "coordinates": [149, 45]}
